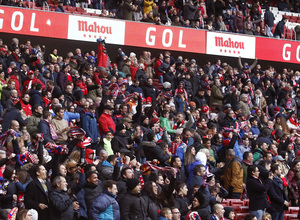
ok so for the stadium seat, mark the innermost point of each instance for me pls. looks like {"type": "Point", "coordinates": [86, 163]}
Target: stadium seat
{"type": "Point", "coordinates": [244, 209]}
{"type": "Point", "coordinates": [79, 9]}
{"type": "Point", "coordinates": [240, 216]}
{"type": "Point", "coordinates": [290, 216]}
{"type": "Point", "coordinates": [236, 202]}
{"type": "Point", "coordinates": [293, 210]}
{"type": "Point", "coordinates": [246, 202]}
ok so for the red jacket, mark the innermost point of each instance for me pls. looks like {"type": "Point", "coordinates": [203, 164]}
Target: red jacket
{"type": "Point", "coordinates": [105, 122]}
{"type": "Point", "coordinates": [28, 85]}
{"type": "Point", "coordinates": [27, 108]}
{"type": "Point", "coordinates": [157, 64]}
{"type": "Point", "coordinates": [102, 57]}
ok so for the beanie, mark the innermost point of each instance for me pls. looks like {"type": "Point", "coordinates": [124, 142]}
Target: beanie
{"type": "Point", "coordinates": [120, 127]}
{"type": "Point", "coordinates": [132, 183]}
{"type": "Point", "coordinates": [205, 109]}
{"type": "Point", "coordinates": [143, 117]}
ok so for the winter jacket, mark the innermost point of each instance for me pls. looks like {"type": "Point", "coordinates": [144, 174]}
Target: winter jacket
{"type": "Point", "coordinates": [119, 142]}
{"type": "Point", "coordinates": [90, 126]}
{"type": "Point", "coordinates": [105, 207]}
{"type": "Point", "coordinates": [6, 201]}
{"type": "Point", "coordinates": [61, 205]}
{"type": "Point", "coordinates": [26, 108]}
{"type": "Point", "coordinates": [180, 104]}
{"type": "Point", "coordinates": [150, 91]}
{"type": "Point", "coordinates": [153, 151]}
{"type": "Point", "coordinates": [106, 171]}
{"type": "Point", "coordinates": [5, 94]}
{"type": "Point", "coordinates": [257, 193]}
{"type": "Point", "coordinates": [127, 10]}
{"type": "Point", "coordinates": [165, 123]}
{"type": "Point", "coordinates": [131, 207]}
{"type": "Point", "coordinates": [277, 196]}
{"type": "Point", "coordinates": [106, 123]}
{"type": "Point", "coordinates": [12, 114]}
{"type": "Point", "coordinates": [233, 176]}
{"type": "Point", "coordinates": [27, 85]}
{"type": "Point", "coordinates": [216, 95]}
{"type": "Point", "coordinates": [32, 124]}
{"type": "Point", "coordinates": [199, 100]}
{"type": "Point", "coordinates": [44, 128]}
{"type": "Point", "coordinates": [91, 192]}
{"type": "Point", "coordinates": [150, 207]}
{"type": "Point", "coordinates": [35, 98]}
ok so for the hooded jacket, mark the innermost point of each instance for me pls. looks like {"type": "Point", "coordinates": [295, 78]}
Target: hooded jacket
{"type": "Point", "coordinates": [153, 151]}
{"type": "Point", "coordinates": [105, 207]}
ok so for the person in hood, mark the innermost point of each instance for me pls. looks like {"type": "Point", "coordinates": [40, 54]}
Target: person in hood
{"type": "Point", "coordinates": [89, 155]}
{"type": "Point", "coordinates": [199, 204]}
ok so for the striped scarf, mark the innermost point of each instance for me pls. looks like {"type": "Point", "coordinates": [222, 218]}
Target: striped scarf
{"type": "Point", "coordinates": [4, 136]}
{"type": "Point", "coordinates": [56, 149]}
{"type": "Point", "coordinates": [52, 131]}
{"type": "Point", "coordinates": [15, 99]}
{"type": "Point", "coordinates": [130, 96]}
{"type": "Point", "coordinates": [150, 166]}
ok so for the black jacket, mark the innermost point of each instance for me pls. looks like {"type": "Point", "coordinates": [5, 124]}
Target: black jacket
{"type": "Point", "coordinates": [12, 114]}
{"type": "Point", "coordinates": [91, 192]}
{"type": "Point", "coordinates": [150, 91]}
{"type": "Point", "coordinates": [277, 195]}
{"type": "Point", "coordinates": [119, 142]}
{"type": "Point", "coordinates": [61, 207]}
{"type": "Point", "coordinates": [257, 193]}
{"type": "Point", "coordinates": [153, 151]}
{"type": "Point", "coordinates": [131, 207]}
{"type": "Point", "coordinates": [35, 98]}
{"type": "Point", "coordinates": [150, 207]}
{"type": "Point", "coordinates": [34, 195]}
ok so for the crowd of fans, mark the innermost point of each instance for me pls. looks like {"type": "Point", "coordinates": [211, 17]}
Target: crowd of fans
{"type": "Point", "coordinates": [221, 15]}
{"type": "Point", "coordinates": [84, 138]}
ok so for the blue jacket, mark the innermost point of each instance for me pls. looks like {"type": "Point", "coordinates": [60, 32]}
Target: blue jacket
{"type": "Point", "coordinates": [133, 88]}
{"type": "Point", "coordinates": [45, 130]}
{"type": "Point", "coordinates": [90, 126]}
{"type": "Point", "coordinates": [180, 104]}
{"type": "Point", "coordinates": [68, 116]}
{"type": "Point", "coordinates": [255, 130]}
{"type": "Point", "coordinates": [105, 207]}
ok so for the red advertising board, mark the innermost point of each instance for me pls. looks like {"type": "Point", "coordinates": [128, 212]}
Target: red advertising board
{"type": "Point", "coordinates": [277, 50]}
{"type": "Point", "coordinates": [33, 22]}
{"type": "Point", "coordinates": [165, 37]}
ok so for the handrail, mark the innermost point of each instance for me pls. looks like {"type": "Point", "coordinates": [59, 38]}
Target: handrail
{"type": "Point", "coordinates": [45, 4]}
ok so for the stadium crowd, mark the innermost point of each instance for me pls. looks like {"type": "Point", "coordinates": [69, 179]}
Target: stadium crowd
{"type": "Point", "coordinates": [84, 138]}
{"type": "Point", "coordinates": [220, 15]}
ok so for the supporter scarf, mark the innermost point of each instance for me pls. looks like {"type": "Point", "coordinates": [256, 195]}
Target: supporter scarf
{"type": "Point", "coordinates": [52, 131]}
{"type": "Point", "coordinates": [39, 138]}
{"type": "Point", "coordinates": [4, 136]}
{"type": "Point", "coordinates": [166, 94]}
{"type": "Point", "coordinates": [13, 213]}
{"type": "Point", "coordinates": [293, 120]}
{"type": "Point", "coordinates": [150, 166]}
{"type": "Point", "coordinates": [56, 149]}
{"type": "Point", "coordinates": [130, 96]}
{"type": "Point", "coordinates": [15, 99]}
{"type": "Point", "coordinates": [174, 146]}
{"type": "Point", "coordinates": [178, 125]}
{"type": "Point", "coordinates": [288, 104]}
{"type": "Point", "coordinates": [26, 157]}
{"type": "Point", "coordinates": [247, 162]}
{"type": "Point", "coordinates": [86, 141]}
{"type": "Point", "coordinates": [76, 131]}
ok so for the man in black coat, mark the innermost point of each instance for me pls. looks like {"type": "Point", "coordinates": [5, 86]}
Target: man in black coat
{"type": "Point", "coordinates": [44, 128]}
{"type": "Point", "coordinates": [61, 205]}
{"type": "Point", "coordinates": [277, 196]}
{"type": "Point", "coordinates": [150, 90]}
{"type": "Point", "coordinates": [130, 204]}
{"type": "Point", "coordinates": [36, 194]}
{"type": "Point", "coordinates": [92, 189]}
{"type": "Point", "coordinates": [36, 96]}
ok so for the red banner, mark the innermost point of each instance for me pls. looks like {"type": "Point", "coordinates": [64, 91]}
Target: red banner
{"type": "Point", "coordinates": [277, 50]}
{"type": "Point", "coordinates": [33, 22]}
{"type": "Point", "coordinates": [165, 37]}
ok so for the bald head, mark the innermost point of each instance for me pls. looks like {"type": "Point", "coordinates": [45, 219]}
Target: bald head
{"type": "Point", "coordinates": [218, 210]}
{"type": "Point", "coordinates": [15, 125]}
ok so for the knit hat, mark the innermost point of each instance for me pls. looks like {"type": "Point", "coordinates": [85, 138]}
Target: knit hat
{"type": "Point", "coordinates": [205, 109]}
{"type": "Point", "coordinates": [154, 120]}
{"type": "Point", "coordinates": [143, 117]}
{"type": "Point", "coordinates": [276, 109]}
{"type": "Point", "coordinates": [227, 211]}
{"type": "Point", "coordinates": [192, 104]}
{"type": "Point", "coordinates": [132, 183]}
{"type": "Point", "coordinates": [89, 151]}
{"type": "Point", "coordinates": [120, 127]}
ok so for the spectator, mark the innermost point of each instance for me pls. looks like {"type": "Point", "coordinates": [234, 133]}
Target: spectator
{"type": "Point", "coordinates": [279, 30]}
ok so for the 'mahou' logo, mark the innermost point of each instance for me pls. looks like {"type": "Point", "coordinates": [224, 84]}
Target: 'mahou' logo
{"type": "Point", "coordinates": [93, 28]}
{"type": "Point", "coordinates": [232, 46]}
